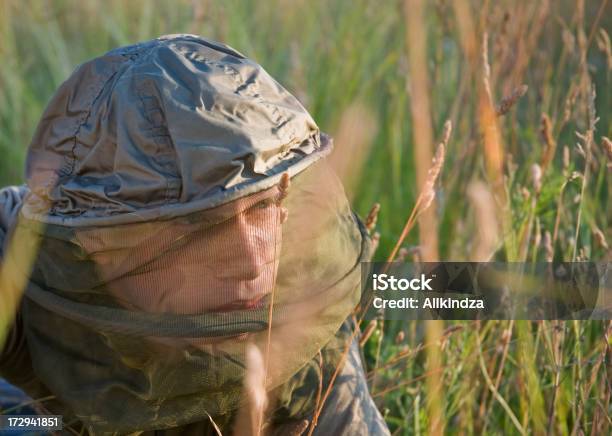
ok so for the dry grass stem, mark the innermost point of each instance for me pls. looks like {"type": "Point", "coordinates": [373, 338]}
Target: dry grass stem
{"type": "Point", "coordinates": [486, 67]}
{"type": "Point", "coordinates": [496, 393]}
{"type": "Point", "coordinates": [566, 157]}
{"type": "Point", "coordinates": [536, 177]}
{"type": "Point", "coordinates": [367, 333]}
{"type": "Point", "coordinates": [353, 137]}
{"type": "Point", "coordinates": [250, 417]}
{"type": "Point", "coordinates": [427, 194]}
{"type": "Point", "coordinates": [548, 247]}
{"type": "Point", "coordinates": [487, 226]}
{"type": "Point", "coordinates": [587, 139]}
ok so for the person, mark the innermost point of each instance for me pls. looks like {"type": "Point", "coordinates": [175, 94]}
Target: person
{"type": "Point", "coordinates": [182, 215]}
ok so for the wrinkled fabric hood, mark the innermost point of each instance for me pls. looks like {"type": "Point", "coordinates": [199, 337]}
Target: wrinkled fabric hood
{"type": "Point", "coordinates": [163, 128]}
{"type": "Point", "coordinates": [165, 243]}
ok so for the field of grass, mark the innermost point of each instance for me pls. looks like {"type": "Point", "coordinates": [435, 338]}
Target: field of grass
{"type": "Point", "coordinates": [525, 178]}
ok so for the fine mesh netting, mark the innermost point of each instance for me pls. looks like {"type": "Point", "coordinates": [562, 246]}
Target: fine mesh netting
{"type": "Point", "coordinates": [144, 325]}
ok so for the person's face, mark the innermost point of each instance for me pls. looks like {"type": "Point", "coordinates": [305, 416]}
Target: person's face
{"type": "Point", "coordinates": [242, 257]}
{"type": "Point", "coordinates": [228, 266]}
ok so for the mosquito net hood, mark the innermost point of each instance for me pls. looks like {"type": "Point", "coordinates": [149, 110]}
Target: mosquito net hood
{"type": "Point", "coordinates": [168, 237]}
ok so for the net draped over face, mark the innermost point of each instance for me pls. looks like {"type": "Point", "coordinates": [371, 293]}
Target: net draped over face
{"type": "Point", "coordinates": [155, 317]}
{"type": "Point", "coordinates": [162, 245]}
{"type": "Point", "coordinates": [187, 267]}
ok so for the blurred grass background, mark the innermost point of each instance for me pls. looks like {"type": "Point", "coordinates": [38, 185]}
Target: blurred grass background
{"type": "Point", "coordinates": [350, 64]}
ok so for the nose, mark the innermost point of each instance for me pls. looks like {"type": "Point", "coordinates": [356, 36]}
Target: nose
{"type": "Point", "coordinates": [248, 262]}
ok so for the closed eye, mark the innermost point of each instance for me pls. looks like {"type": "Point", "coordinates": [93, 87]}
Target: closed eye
{"type": "Point", "coordinates": [263, 204]}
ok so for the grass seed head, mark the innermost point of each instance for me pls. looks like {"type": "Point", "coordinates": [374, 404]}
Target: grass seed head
{"type": "Point", "coordinates": [372, 217]}
{"type": "Point", "coordinates": [600, 238]}
{"type": "Point", "coordinates": [550, 144]}
{"type": "Point", "coordinates": [507, 102]}
{"type": "Point", "coordinates": [428, 193]}
{"type": "Point", "coordinates": [283, 187]}
{"type": "Point", "coordinates": [399, 338]}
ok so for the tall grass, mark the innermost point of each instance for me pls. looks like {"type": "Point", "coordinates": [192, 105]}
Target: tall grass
{"type": "Point", "coordinates": [525, 178]}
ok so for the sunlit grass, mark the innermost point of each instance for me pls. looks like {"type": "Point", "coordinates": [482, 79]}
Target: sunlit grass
{"type": "Point", "coordinates": [348, 61]}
